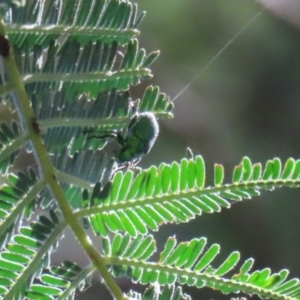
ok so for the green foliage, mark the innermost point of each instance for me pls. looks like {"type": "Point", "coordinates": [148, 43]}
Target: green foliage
{"type": "Point", "coordinates": [191, 263]}
{"type": "Point", "coordinates": [68, 67]}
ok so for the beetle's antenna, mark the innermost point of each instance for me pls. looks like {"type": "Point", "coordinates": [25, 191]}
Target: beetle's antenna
{"type": "Point", "coordinates": [229, 42]}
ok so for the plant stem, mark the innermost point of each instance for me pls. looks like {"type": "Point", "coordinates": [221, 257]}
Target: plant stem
{"type": "Point", "coordinates": [48, 171]}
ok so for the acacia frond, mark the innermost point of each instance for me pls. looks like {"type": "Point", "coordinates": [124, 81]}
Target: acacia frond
{"type": "Point", "coordinates": [91, 68]}
{"type": "Point", "coordinates": [39, 22]}
{"type": "Point", "coordinates": [60, 282]}
{"type": "Point", "coordinates": [17, 197]}
{"type": "Point", "coordinates": [191, 263]}
{"type": "Point", "coordinates": [10, 142]}
{"type": "Point", "coordinates": [177, 193]}
{"type": "Point", "coordinates": [27, 254]}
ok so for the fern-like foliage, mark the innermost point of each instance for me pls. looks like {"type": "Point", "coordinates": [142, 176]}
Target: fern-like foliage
{"type": "Point", "coordinates": [177, 193]}
{"type": "Point", "coordinates": [67, 67]}
{"type": "Point", "coordinates": [10, 141]}
{"type": "Point", "coordinates": [40, 22]}
{"type": "Point", "coordinates": [191, 263]}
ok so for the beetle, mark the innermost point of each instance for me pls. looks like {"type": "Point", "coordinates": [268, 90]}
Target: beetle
{"type": "Point", "coordinates": [138, 139]}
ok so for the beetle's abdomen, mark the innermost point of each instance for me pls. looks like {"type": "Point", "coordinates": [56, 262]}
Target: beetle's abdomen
{"type": "Point", "coordinates": [145, 129]}
{"type": "Point", "coordinates": [141, 135]}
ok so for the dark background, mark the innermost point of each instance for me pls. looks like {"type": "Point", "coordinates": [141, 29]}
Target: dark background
{"type": "Point", "coordinates": [246, 103]}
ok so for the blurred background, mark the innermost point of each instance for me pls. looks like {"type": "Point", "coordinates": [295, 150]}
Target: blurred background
{"type": "Point", "coordinates": [246, 103]}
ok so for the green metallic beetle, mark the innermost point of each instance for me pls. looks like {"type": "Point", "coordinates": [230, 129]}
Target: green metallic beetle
{"type": "Point", "coordinates": [138, 140]}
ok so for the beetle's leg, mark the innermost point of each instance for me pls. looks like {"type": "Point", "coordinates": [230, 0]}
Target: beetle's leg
{"type": "Point", "coordinates": [122, 167]}
{"type": "Point", "coordinates": [101, 136]}
{"type": "Point", "coordinates": [136, 161]}
{"type": "Point", "coordinates": [134, 105]}
{"type": "Point", "coordinates": [133, 165]}
{"type": "Point", "coordinates": [189, 153]}
{"type": "Point", "coordinates": [120, 139]}
{"type": "Point", "coordinates": [132, 121]}
{"type": "Point", "coordinates": [112, 134]}
{"type": "Point", "coordinates": [126, 166]}
{"type": "Point", "coordinates": [87, 131]}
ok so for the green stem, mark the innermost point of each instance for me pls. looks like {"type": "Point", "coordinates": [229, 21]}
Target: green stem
{"type": "Point", "coordinates": [48, 172]}
{"type": "Point", "coordinates": [85, 77]}
{"type": "Point", "coordinates": [74, 30]}
{"type": "Point", "coordinates": [82, 122]}
{"type": "Point", "coordinates": [64, 177]}
{"type": "Point", "coordinates": [168, 198]}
